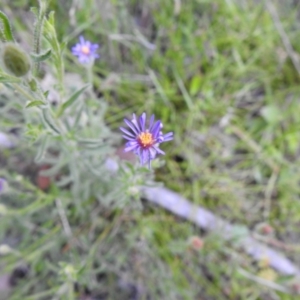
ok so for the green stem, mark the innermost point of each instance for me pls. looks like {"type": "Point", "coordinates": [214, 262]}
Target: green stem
{"type": "Point", "coordinates": [60, 77]}
{"type": "Point", "coordinates": [23, 92]}
{"type": "Point", "coordinates": [90, 73]}
{"type": "Point", "coordinates": [90, 77]}
{"type": "Point", "coordinates": [71, 290]}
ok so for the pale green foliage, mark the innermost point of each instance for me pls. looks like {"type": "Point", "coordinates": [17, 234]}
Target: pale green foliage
{"type": "Point", "coordinates": [71, 138]}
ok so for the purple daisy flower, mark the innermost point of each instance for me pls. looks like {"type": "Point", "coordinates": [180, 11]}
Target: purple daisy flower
{"type": "Point", "coordinates": [85, 51]}
{"type": "Point", "coordinates": [143, 141]}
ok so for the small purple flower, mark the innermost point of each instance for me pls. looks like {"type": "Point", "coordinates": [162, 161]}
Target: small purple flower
{"type": "Point", "coordinates": [2, 184]}
{"type": "Point", "coordinates": [143, 141]}
{"type": "Point", "coordinates": [5, 141]}
{"type": "Point", "coordinates": [85, 51]}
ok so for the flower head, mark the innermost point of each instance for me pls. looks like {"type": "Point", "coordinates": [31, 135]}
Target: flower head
{"type": "Point", "coordinates": [85, 51]}
{"type": "Point", "coordinates": [143, 141]}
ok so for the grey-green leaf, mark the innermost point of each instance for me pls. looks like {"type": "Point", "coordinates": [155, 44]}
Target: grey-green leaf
{"type": "Point", "coordinates": [42, 56]}
{"type": "Point", "coordinates": [4, 78]}
{"type": "Point", "coordinates": [49, 121]}
{"type": "Point", "coordinates": [42, 149]}
{"type": "Point", "coordinates": [35, 103]}
{"type": "Point", "coordinates": [72, 99]}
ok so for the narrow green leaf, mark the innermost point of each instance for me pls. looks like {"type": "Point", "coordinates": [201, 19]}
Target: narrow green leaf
{"type": "Point", "coordinates": [71, 100]}
{"type": "Point", "coordinates": [35, 103]}
{"type": "Point", "coordinates": [78, 114]}
{"type": "Point", "coordinates": [91, 143]}
{"type": "Point", "coordinates": [64, 180]}
{"type": "Point", "coordinates": [6, 27]}
{"type": "Point", "coordinates": [42, 149]}
{"type": "Point", "coordinates": [92, 168]}
{"type": "Point", "coordinates": [54, 170]}
{"type": "Point", "coordinates": [9, 79]}
{"type": "Point", "coordinates": [42, 56]}
{"type": "Point", "coordinates": [49, 121]}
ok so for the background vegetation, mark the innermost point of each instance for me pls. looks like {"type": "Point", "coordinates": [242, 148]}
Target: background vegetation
{"type": "Point", "coordinates": [222, 75]}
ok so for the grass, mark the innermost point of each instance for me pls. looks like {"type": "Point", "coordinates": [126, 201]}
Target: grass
{"type": "Point", "coordinates": [221, 79]}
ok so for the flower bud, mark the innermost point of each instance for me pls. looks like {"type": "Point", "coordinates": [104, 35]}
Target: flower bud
{"type": "Point", "coordinates": [15, 60]}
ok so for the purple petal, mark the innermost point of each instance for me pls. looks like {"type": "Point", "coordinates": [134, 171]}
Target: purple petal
{"type": "Point", "coordinates": [76, 48]}
{"type": "Point", "coordinates": [145, 156]}
{"type": "Point", "coordinates": [135, 122]}
{"type": "Point", "coordinates": [132, 127]}
{"type": "Point", "coordinates": [156, 129]}
{"type": "Point", "coordinates": [83, 59]}
{"type": "Point", "coordinates": [143, 121]}
{"type": "Point", "coordinates": [94, 47]}
{"type": "Point", "coordinates": [168, 136]}
{"type": "Point", "coordinates": [152, 152]}
{"type": "Point", "coordinates": [81, 39]}
{"type": "Point", "coordinates": [130, 147]}
{"type": "Point", "coordinates": [158, 150]}
{"type": "Point", "coordinates": [96, 55]}
{"type": "Point", "coordinates": [151, 122]}
{"type": "Point", "coordinates": [127, 132]}
{"type": "Point", "coordinates": [139, 153]}
{"type": "Point", "coordinates": [129, 138]}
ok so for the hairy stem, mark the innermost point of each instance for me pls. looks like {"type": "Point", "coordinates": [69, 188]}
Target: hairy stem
{"type": "Point", "coordinates": [38, 29]}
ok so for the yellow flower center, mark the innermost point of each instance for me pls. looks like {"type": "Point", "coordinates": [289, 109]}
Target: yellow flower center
{"type": "Point", "coordinates": [85, 50]}
{"type": "Point", "coordinates": [146, 139]}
